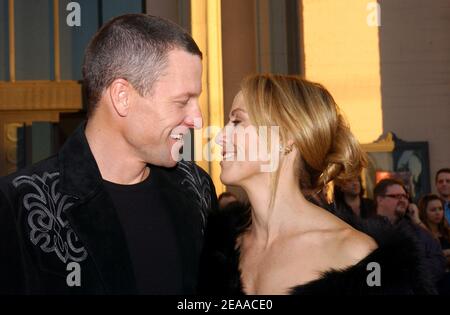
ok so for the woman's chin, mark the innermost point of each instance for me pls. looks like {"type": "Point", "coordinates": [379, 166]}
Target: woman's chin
{"type": "Point", "coordinates": [227, 180]}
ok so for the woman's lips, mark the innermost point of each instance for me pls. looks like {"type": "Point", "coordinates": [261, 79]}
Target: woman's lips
{"type": "Point", "coordinates": [228, 155]}
{"type": "Point", "coordinates": [177, 137]}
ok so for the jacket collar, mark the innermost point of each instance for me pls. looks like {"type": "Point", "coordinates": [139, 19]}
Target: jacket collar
{"type": "Point", "coordinates": [80, 175]}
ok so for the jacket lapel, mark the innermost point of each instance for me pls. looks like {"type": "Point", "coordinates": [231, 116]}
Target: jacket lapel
{"type": "Point", "coordinates": [186, 220]}
{"type": "Point", "coordinates": [97, 225]}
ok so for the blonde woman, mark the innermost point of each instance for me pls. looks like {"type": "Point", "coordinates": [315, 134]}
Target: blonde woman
{"type": "Point", "coordinates": [282, 243]}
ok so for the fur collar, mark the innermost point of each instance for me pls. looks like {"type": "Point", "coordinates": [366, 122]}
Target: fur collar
{"type": "Point", "coordinates": [398, 256]}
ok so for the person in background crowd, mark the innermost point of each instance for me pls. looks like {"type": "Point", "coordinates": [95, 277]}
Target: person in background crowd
{"type": "Point", "coordinates": [392, 204]}
{"type": "Point", "coordinates": [443, 189]}
{"type": "Point", "coordinates": [348, 198]}
{"type": "Point", "coordinates": [432, 215]}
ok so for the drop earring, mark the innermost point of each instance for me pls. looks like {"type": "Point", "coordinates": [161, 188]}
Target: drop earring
{"type": "Point", "coordinates": [286, 150]}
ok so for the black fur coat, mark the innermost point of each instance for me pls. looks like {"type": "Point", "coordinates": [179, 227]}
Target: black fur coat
{"type": "Point", "coordinates": [398, 256]}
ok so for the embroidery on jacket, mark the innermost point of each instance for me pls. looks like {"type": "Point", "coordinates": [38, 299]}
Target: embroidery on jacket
{"type": "Point", "coordinates": [50, 229]}
{"type": "Point", "coordinates": [199, 186]}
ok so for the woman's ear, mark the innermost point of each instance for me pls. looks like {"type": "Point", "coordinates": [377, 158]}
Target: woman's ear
{"type": "Point", "coordinates": [287, 147]}
{"type": "Point", "coordinates": [119, 94]}
{"type": "Point", "coordinates": [290, 143]}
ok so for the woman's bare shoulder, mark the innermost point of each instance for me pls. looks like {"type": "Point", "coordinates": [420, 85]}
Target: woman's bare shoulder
{"type": "Point", "coordinates": [339, 247]}
{"type": "Point", "coordinates": [354, 246]}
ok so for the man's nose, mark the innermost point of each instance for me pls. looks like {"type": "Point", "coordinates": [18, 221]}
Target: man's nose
{"type": "Point", "coordinates": [194, 116]}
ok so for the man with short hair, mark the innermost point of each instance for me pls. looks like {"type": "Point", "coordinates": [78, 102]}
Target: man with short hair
{"type": "Point", "coordinates": [443, 188]}
{"type": "Point", "coordinates": [115, 211]}
{"type": "Point", "coordinates": [391, 203]}
{"type": "Point", "coordinates": [391, 200]}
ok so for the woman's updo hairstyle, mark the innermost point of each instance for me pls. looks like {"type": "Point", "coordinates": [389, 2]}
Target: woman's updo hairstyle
{"type": "Point", "coordinates": [307, 114]}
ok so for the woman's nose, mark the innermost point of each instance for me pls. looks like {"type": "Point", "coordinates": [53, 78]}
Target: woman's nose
{"type": "Point", "coordinates": [220, 138]}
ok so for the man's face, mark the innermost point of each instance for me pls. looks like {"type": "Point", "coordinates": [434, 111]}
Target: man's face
{"type": "Point", "coordinates": [157, 120]}
{"type": "Point", "coordinates": [351, 187]}
{"type": "Point", "coordinates": [394, 203]}
{"type": "Point", "coordinates": [443, 185]}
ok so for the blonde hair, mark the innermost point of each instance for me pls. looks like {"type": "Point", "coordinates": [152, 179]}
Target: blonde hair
{"type": "Point", "coordinates": [307, 114]}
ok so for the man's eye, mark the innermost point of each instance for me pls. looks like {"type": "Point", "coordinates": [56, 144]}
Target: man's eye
{"type": "Point", "coordinates": [183, 102]}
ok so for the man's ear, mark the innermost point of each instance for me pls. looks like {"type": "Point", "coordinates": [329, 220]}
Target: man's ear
{"type": "Point", "coordinates": [119, 94]}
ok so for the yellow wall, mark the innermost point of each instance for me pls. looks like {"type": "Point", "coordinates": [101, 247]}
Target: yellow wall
{"type": "Point", "coordinates": [341, 51]}
{"type": "Point", "coordinates": [206, 28]}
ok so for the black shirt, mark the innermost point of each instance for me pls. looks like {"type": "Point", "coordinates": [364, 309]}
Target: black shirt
{"type": "Point", "coordinates": [367, 208]}
{"type": "Point", "coordinates": [445, 244]}
{"type": "Point", "coordinates": [150, 235]}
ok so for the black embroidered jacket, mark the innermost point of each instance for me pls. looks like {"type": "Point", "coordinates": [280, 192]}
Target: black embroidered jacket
{"type": "Point", "coordinates": [57, 213]}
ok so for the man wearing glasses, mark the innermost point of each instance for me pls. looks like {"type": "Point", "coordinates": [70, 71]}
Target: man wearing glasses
{"type": "Point", "coordinates": [392, 204]}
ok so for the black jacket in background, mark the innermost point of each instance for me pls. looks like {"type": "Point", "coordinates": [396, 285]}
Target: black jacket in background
{"type": "Point", "coordinates": [434, 262]}
{"type": "Point", "coordinates": [367, 208]}
{"type": "Point", "coordinates": [57, 212]}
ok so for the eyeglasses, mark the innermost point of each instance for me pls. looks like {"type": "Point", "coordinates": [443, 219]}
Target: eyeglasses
{"type": "Point", "coordinates": [397, 196]}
